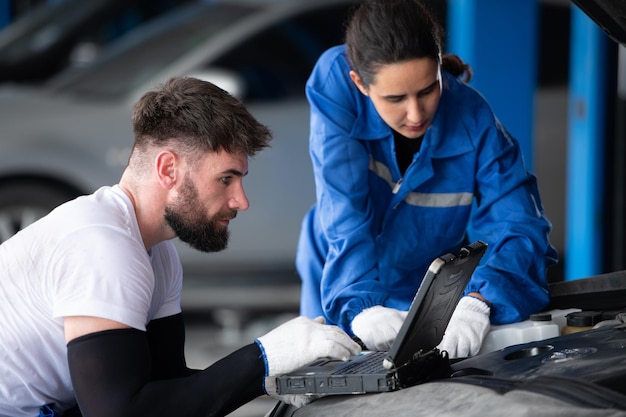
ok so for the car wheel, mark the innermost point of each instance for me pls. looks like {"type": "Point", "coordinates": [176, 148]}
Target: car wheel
{"type": "Point", "coordinates": [25, 201]}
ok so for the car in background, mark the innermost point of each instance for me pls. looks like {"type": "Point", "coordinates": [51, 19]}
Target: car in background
{"type": "Point", "coordinates": [74, 134]}
{"type": "Point", "coordinates": [69, 32]}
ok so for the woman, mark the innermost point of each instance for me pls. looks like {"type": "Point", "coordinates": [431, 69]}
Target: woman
{"type": "Point", "coordinates": [410, 163]}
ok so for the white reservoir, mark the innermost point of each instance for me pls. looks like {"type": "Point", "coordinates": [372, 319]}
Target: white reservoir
{"type": "Point", "coordinates": [539, 327]}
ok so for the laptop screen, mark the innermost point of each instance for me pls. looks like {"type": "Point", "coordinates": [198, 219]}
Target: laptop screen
{"type": "Point", "coordinates": [423, 329]}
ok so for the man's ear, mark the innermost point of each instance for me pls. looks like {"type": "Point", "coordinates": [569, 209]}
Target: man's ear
{"type": "Point", "coordinates": [166, 165]}
{"type": "Point", "coordinates": [356, 79]}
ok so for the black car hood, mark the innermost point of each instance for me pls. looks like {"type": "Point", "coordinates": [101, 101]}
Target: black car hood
{"type": "Point", "coordinates": [610, 15]}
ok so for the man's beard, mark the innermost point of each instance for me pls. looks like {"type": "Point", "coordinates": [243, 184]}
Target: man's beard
{"type": "Point", "coordinates": [192, 226]}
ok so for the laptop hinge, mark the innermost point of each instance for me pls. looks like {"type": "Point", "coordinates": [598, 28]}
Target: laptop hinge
{"type": "Point", "coordinates": [424, 367]}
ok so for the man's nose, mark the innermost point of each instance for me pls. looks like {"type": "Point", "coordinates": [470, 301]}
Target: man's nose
{"type": "Point", "coordinates": [239, 201]}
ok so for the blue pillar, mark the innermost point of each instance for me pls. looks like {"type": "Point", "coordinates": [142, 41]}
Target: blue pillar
{"type": "Point", "coordinates": [586, 146]}
{"type": "Point", "coordinates": [498, 38]}
{"type": "Point", "coordinates": [5, 13]}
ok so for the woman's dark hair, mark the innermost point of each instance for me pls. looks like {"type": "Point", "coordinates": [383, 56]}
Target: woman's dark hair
{"type": "Point", "coordinates": [383, 32]}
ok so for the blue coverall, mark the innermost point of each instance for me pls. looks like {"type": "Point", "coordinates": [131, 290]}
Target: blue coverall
{"type": "Point", "coordinates": [372, 232]}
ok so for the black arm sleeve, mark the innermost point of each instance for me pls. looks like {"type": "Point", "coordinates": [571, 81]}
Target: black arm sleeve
{"type": "Point", "coordinates": [111, 374]}
{"type": "Point", "coordinates": [166, 337]}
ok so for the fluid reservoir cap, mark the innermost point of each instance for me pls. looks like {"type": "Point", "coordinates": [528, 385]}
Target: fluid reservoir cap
{"type": "Point", "coordinates": [583, 318]}
{"type": "Point", "coordinates": [540, 317]}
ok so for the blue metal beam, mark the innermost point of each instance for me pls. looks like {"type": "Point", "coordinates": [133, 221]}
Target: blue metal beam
{"type": "Point", "coordinates": [498, 39]}
{"type": "Point", "coordinates": [5, 13]}
{"type": "Point", "coordinates": [586, 147]}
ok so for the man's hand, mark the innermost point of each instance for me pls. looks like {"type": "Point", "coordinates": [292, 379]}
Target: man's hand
{"type": "Point", "coordinates": [378, 326]}
{"type": "Point", "coordinates": [302, 340]}
{"type": "Point", "coordinates": [297, 343]}
{"type": "Point", "coordinates": [467, 328]}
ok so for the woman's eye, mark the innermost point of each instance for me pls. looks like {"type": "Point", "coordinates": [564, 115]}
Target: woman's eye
{"type": "Point", "coordinates": [394, 99]}
{"type": "Point", "coordinates": [426, 92]}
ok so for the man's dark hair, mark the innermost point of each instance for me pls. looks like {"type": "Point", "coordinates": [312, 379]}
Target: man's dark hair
{"type": "Point", "coordinates": [196, 117]}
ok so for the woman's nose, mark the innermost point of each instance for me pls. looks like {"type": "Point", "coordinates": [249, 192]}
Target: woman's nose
{"type": "Point", "coordinates": [414, 111]}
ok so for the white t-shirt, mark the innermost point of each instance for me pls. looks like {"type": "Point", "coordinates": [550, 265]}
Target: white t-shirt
{"type": "Point", "coordinates": [85, 258]}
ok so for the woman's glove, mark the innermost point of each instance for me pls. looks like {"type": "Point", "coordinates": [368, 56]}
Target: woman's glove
{"type": "Point", "coordinates": [378, 326]}
{"type": "Point", "coordinates": [467, 329]}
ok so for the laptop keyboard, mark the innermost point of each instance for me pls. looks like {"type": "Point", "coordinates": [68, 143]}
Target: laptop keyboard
{"type": "Point", "coordinates": [372, 364]}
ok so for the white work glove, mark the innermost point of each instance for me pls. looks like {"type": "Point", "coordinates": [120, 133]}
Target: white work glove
{"type": "Point", "coordinates": [302, 340]}
{"type": "Point", "coordinates": [298, 342]}
{"type": "Point", "coordinates": [467, 329]}
{"type": "Point", "coordinates": [378, 326]}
